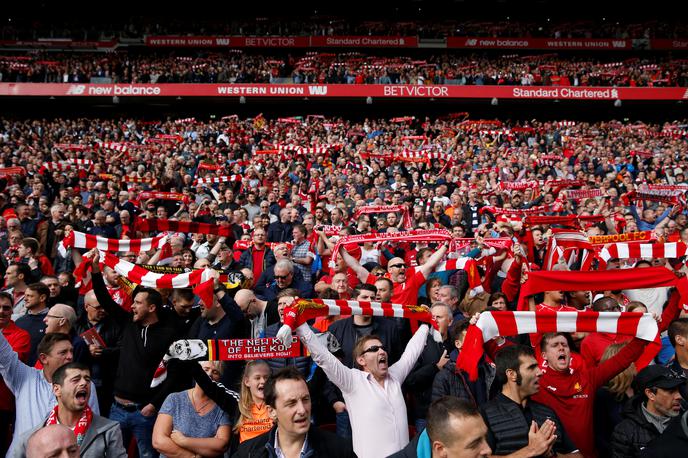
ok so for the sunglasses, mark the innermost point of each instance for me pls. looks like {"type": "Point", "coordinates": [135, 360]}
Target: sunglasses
{"type": "Point", "coordinates": [281, 277]}
{"type": "Point", "coordinates": [374, 349]}
{"type": "Point", "coordinates": [398, 266]}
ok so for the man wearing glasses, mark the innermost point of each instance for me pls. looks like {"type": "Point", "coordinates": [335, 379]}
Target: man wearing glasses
{"type": "Point", "coordinates": [405, 288]}
{"type": "Point", "coordinates": [101, 358]}
{"type": "Point", "coordinates": [372, 392]}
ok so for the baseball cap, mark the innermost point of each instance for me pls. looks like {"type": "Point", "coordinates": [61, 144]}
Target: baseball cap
{"type": "Point", "coordinates": [657, 376]}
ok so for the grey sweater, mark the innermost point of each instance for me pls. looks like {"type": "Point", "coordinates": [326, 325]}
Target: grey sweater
{"type": "Point", "coordinates": [33, 393]}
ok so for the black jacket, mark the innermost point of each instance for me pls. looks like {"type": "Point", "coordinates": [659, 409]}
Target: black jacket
{"type": "Point", "coordinates": [321, 444]}
{"type": "Point", "coordinates": [448, 383]}
{"type": "Point", "coordinates": [634, 432]}
{"type": "Point", "coordinates": [141, 352]}
{"type": "Point", "coordinates": [672, 443]}
{"type": "Point", "coordinates": [280, 232]}
{"type": "Point", "coordinates": [419, 381]}
{"type": "Point", "coordinates": [246, 258]}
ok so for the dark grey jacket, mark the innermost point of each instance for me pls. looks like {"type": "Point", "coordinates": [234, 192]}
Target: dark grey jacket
{"type": "Point", "coordinates": [103, 440]}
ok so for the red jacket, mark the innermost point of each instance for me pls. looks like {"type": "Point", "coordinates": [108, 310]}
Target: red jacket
{"type": "Point", "coordinates": [572, 394]}
{"type": "Point", "coordinates": [20, 341]}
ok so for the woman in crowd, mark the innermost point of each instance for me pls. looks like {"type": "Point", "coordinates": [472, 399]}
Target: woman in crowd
{"type": "Point", "coordinates": [190, 421]}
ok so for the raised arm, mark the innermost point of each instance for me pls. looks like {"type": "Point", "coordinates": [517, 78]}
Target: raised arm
{"type": "Point", "coordinates": [113, 309]}
{"type": "Point", "coordinates": [414, 348]}
{"type": "Point", "coordinates": [337, 372]}
{"type": "Point", "coordinates": [435, 259]}
{"type": "Point", "coordinates": [354, 265]}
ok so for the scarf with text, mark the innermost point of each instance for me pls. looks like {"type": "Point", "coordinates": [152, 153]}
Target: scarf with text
{"type": "Point", "coordinates": [177, 196]}
{"type": "Point", "coordinates": [428, 235]}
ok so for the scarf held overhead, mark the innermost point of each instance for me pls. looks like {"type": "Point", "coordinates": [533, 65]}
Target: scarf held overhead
{"type": "Point", "coordinates": [428, 235]}
{"type": "Point", "coordinates": [651, 277]}
{"type": "Point", "coordinates": [493, 324]}
{"type": "Point", "coordinates": [76, 239]}
{"type": "Point", "coordinates": [303, 310]}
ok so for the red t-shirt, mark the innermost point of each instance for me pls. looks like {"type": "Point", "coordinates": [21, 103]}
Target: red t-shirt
{"type": "Point", "coordinates": [571, 394]}
{"type": "Point", "coordinates": [20, 341]}
{"type": "Point", "coordinates": [405, 293]}
{"type": "Point", "coordinates": [258, 257]}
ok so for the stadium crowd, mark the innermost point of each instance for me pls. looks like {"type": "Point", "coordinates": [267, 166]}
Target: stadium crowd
{"type": "Point", "coordinates": [138, 27]}
{"type": "Point", "coordinates": [471, 218]}
{"type": "Point", "coordinates": [347, 68]}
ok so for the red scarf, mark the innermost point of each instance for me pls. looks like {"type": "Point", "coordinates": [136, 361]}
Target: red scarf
{"type": "Point", "coordinates": [385, 209]}
{"type": "Point", "coordinates": [603, 280]}
{"type": "Point", "coordinates": [164, 225]}
{"type": "Point", "coordinates": [492, 324]}
{"type": "Point", "coordinates": [81, 426]}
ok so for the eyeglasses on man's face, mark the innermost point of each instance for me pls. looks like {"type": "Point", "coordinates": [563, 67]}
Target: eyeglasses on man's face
{"type": "Point", "coordinates": [374, 349]}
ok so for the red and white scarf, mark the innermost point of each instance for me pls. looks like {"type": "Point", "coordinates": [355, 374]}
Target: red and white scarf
{"type": "Point", "coordinates": [493, 324]}
{"type": "Point", "coordinates": [371, 209]}
{"type": "Point", "coordinates": [76, 239]}
{"type": "Point", "coordinates": [569, 246]}
{"type": "Point", "coordinates": [671, 250]}
{"type": "Point", "coordinates": [120, 147]}
{"type": "Point", "coordinates": [429, 235]}
{"type": "Point", "coordinates": [303, 310]}
{"type": "Point", "coordinates": [217, 180]}
{"type": "Point", "coordinates": [71, 147]}
{"type": "Point", "coordinates": [164, 196]}
{"type": "Point", "coordinates": [134, 179]}
{"type": "Point", "coordinates": [144, 277]}
{"type": "Point", "coordinates": [82, 424]}
{"type": "Point", "coordinates": [10, 171]}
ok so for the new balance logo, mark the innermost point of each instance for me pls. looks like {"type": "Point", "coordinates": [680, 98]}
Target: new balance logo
{"type": "Point", "coordinates": [471, 42]}
{"type": "Point", "coordinates": [76, 89]}
{"type": "Point", "coordinates": [685, 96]}
{"type": "Point", "coordinates": [317, 90]}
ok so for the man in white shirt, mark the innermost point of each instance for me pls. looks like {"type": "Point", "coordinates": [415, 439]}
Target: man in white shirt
{"type": "Point", "coordinates": [372, 394]}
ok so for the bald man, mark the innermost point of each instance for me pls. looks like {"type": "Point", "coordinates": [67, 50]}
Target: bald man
{"type": "Point", "coordinates": [405, 289]}
{"type": "Point", "coordinates": [259, 314]}
{"type": "Point", "coordinates": [60, 318]}
{"type": "Point", "coordinates": [56, 441]}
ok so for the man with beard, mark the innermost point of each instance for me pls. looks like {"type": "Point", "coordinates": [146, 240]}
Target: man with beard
{"type": "Point", "coordinates": [518, 426]}
{"type": "Point", "coordinates": [96, 436]}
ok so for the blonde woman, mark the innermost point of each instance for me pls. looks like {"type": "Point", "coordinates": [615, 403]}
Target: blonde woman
{"type": "Point", "coordinates": [190, 423]}
{"type": "Point", "coordinates": [254, 419]}
{"type": "Point", "coordinates": [610, 401]}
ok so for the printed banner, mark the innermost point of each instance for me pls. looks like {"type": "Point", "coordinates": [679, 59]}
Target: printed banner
{"type": "Point", "coordinates": [606, 44]}
{"type": "Point", "coordinates": [642, 236]}
{"type": "Point", "coordinates": [400, 91]}
{"type": "Point", "coordinates": [166, 41]}
{"type": "Point", "coordinates": [246, 349]}
{"type": "Point", "coordinates": [364, 41]}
